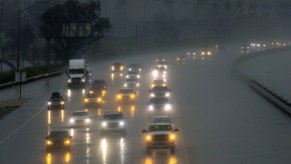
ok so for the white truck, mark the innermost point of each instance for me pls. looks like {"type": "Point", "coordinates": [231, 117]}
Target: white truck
{"type": "Point", "coordinates": [77, 73]}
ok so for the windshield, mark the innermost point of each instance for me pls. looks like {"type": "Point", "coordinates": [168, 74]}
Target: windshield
{"type": "Point", "coordinates": [76, 71]}
{"type": "Point", "coordinates": [59, 134]}
{"type": "Point", "coordinates": [80, 114]}
{"type": "Point", "coordinates": [131, 80]}
{"type": "Point", "coordinates": [153, 128]}
{"type": "Point", "coordinates": [160, 89]}
{"type": "Point", "coordinates": [126, 91]}
{"type": "Point", "coordinates": [113, 116]}
{"type": "Point", "coordinates": [159, 100]}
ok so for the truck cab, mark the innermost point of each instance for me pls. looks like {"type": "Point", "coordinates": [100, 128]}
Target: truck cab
{"type": "Point", "coordinates": [77, 73]}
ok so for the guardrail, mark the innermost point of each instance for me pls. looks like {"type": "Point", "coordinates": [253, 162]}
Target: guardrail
{"type": "Point", "coordinates": [259, 88]}
{"type": "Point", "coordinates": [13, 83]}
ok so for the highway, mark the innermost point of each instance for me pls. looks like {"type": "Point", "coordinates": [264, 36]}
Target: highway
{"type": "Point", "coordinates": [221, 120]}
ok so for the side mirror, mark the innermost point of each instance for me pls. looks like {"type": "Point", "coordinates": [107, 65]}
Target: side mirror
{"type": "Point", "coordinates": [176, 130]}
{"type": "Point", "coordinates": [144, 131]}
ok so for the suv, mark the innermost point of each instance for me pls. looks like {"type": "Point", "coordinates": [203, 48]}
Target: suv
{"type": "Point", "coordinates": [160, 134]}
{"type": "Point", "coordinates": [98, 87]}
{"type": "Point", "coordinates": [93, 100]}
{"type": "Point", "coordinates": [80, 117]}
{"type": "Point", "coordinates": [113, 122]}
{"type": "Point", "coordinates": [58, 140]}
{"type": "Point", "coordinates": [56, 101]}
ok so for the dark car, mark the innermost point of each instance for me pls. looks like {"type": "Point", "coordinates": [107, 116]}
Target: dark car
{"type": "Point", "coordinates": [56, 101]}
{"type": "Point", "coordinates": [98, 87]}
{"type": "Point", "coordinates": [58, 140]}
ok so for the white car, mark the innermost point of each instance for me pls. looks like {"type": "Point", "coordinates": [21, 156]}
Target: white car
{"type": "Point", "coordinates": [80, 117]}
{"type": "Point", "coordinates": [159, 73]}
{"type": "Point", "coordinates": [161, 104]}
{"type": "Point", "coordinates": [132, 75]}
{"type": "Point", "coordinates": [113, 122]}
{"type": "Point", "coordinates": [131, 83]}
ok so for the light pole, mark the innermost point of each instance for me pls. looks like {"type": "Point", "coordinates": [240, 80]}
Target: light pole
{"type": "Point", "coordinates": [18, 41]}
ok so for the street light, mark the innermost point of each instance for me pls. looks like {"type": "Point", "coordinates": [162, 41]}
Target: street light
{"type": "Point", "coordinates": [18, 40]}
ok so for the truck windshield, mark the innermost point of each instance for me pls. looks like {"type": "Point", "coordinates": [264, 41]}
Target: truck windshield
{"type": "Point", "coordinates": [76, 71]}
{"type": "Point", "coordinates": [153, 128]}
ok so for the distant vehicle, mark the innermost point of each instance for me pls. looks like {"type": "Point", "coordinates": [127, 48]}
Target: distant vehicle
{"type": "Point", "coordinates": [113, 122]}
{"type": "Point", "coordinates": [56, 101]}
{"type": "Point", "coordinates": [80, 118]}
{"type": "Point", "coordinates": [93, 100]}
{"type": "Point", "coordinates": [134, 68]}
{"type": "Point", "coordinates": [181, 59]}
{"type": "Point", "coordinates": [124, 95]}
{"type": "Point", "coordinates": [161, 62]}
{"type": "Point", "coordinates": [58, 140]}
{"type": "Point", "coordinates": [159, 73]}
{"type": "Point", "coordinates": [245, 50]}
{"type": "Point", "coordinates": [161, 104]}
{"type": "Point", "coordinates": [131, 83]}
{"type": "Point", "coordinates": [160, 134]}
{"type": "Point", "coordinates": [77, 73]}
{"type": "Point", "coordinates": [160, 91]}
{"type": "Point", "coordinates": [158, 82]}
{"type": "Point", "coordinates": [132, 75]}
{"type": "Point", "coordinates": [117, 67]}
{"type": "Point", "coordinates": [98, 87]}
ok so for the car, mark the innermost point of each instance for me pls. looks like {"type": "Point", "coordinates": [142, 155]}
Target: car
{"type": "Point", "coordinates": [98, 87]}
{"type": "Point", "coordinates": [160, 91]}
{"type": "Point", "coordinates": [117, 67]}
{"type": "Point", "coordinates": [127, 94]}
{"type": "Point", "coordinates": [160, 135]}
{"type": "Point", "coordinates": [158, 82]}
{"type": "Point", "coordinates": [131, 83]}
{"type": "Point", "coordinates": [134, 68]}
{"type": "Point", "coordinates": [58, 139]}
{"type": "Point", "coordinates": [161, 62]}
{"type": "Point", "coordinates": [161, 104]}
{"type": "Point", "coordinates": [113, 121]}
{"type": "Point", "coordinates": [93, 100]}
{"type": "Point", "coordinates": [181, 59]}
{"type": "Point", "coordinates": [56, 101]}
{"type": "Point", "coordinates": [80, 117]}
{"type": "Point", "coordinates": [132, 75]}
{"type": "Point", "coordinates": [159, 73]}
{"type": "Point", "coordinates": [245, 50]}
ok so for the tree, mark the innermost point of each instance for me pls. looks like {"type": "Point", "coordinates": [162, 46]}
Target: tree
{"type": "Point", "coordinates": [72, 11]}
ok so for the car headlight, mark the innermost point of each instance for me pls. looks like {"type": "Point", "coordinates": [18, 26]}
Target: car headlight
{"type": "Point", "coordinates": [138, 76]}
{"type": "Point", "coordinates": [152, 95]}
{"type": "Point", "coordinates": [87, 120]}
{"type": "Point", "coordinates": [155, 73]}
{"type": "Point", "coordinates": [99, 100]}
{"type": "Point", "coordinates": [172, 137]}
{"type": "Point", "coordinates": [67, 142]}
{"type": "Point", "coordinates": [151, 107]}
{"type": "Point", "coordinates": [167, 94]}
{"type": "Point", "coordinates": [72, 120]}
{"type": "Point", "coordinates": [137, 84]}
{"type": "Point", "coordinates": [125, 85]}
{"type": "Point", "coordinates": [62, 102]}
{"type": "Point", "coordinates": [127, 76]}
{"type": "Point", "coordinates": [148, 138]}
{"type": "Point", "coordinates": [49, 142]}
{"type": "Point", "coordinates": [49, 103]}
{"type": "Point", "coordinates": [86, 100]}
{"type": "Point", "coordinates": [129, 69]}
{"type": "Point", "coordinates": [83, 80]}
{"type": "Point", "coordinates": [168, 106]}
{"type": "Point", "coordinates": [104, 124]}
{"type": "Point", "coordinates": [112, 68]}
{"type": "Point", "coordinates": [132, 96]}
{"type": "Point", "coordinates": [119, 96]}
{"type": "Point", "coordinates": [69, 80]}
{"type": "Point", "coordinates": [91, 92]}
{"type": "Point", "coordinates": [121, 123]}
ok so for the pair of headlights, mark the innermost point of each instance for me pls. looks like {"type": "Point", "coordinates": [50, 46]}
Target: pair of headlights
{"type": "Point", "coordinates": [105, 124]}
{"type": "Point", "coordinates": [167, 107]}
{"type": "Point", "coordinates": [87, 120]}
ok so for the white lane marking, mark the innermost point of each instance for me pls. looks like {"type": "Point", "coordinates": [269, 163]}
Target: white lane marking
{"type": "Point", "coordinates": [21, 126]}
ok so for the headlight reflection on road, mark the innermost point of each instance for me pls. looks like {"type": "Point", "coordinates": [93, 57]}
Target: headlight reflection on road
{"type": "Point", "coordinates": [119, 109]}
{"type": "Point", "coordinates": [72, 132]}
{"type": "Point", "coordinates": [132, 111]}
{"type": "Point", "coordinates": [67, 157]}
{"type": "Point", "coordinates": [122, 147]}
{"type": "Point", "coordinates": [172, 160]}
{"type": "Point", "coordinates": [62, 115]}
{"type": "Point", "coordinates": [83, 92]}
{"type": "Point", "coordinates": [88, 137]}
{"type": "Point", "coordinates": [148, 160]}
{"type": "Point", "coordinates": [49, 121]}
{"type": "Point", "coordinates": [104, 149]}
{"type": "Point", "coordinates": [48, 158]}
{"type": "Point", "coordinates": [69, 93]}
